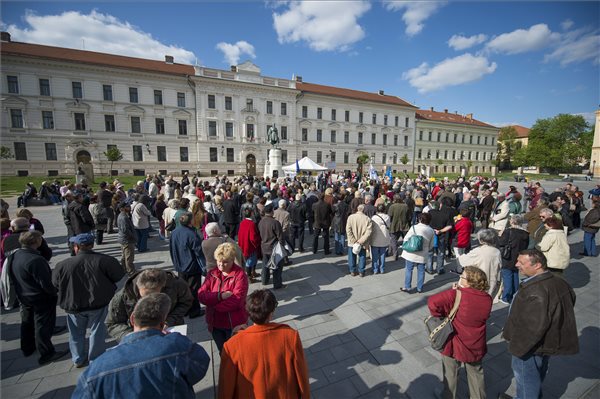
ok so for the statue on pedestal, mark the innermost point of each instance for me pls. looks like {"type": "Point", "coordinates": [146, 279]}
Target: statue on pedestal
{"type": "Point", "coordinates": [273, 136]}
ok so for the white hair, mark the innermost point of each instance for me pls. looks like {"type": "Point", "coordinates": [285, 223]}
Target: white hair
{"type": "Point", "coordinates": [212, 229]}
{"type": "Point", "coordinates": [282, 203]}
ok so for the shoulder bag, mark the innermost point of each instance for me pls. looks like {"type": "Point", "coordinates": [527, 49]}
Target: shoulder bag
{"type": "Point", "coordinates": [440, 328]}
{"type": "Point", "coordinates": [506, 250]}
{"type": "Point", "coordinates": [393, 244]}
{"type": "Point", "coordinates": [414, 243]}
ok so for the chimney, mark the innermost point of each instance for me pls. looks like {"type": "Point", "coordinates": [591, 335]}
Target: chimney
{"type": "Point", "coordinates": [233, 68]}
{"type": "Point", "coordinates": [299, 79]}
{"type": "Point", "coordinates": [5, 36]}
{"type": "Point", "coordinates": [381, 92]}
{"type": "Point", "coordinates": [469, 116]}
{"type": "Point", "coordinates": [169, 59]}
{"type": "Point", "coordinates": [445, 111]}
{"type": "Point", "coordinates": [431, 109]}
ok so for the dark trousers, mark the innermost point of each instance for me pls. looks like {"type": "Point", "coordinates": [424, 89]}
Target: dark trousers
{"type": "Point", "coordinates": [99, 236]}
{"type": "Point", "coordinates": [37, 326]}
{"type": "Point", "coordinates": [310, 223]}
{"type": "Point", "coordinates": [220, 335]}
{"type": "Point", "coordinates": [231, 229]}
{"type": "Point", "coordinates": [298, 233]}
{"type": "Point", "coordinates": [194, 281]}
{"type": "Point", "coordinates": [110, 215]}
{"type": "Point", "coordinates": [265, 273]}
{"type": "Point", "coordinates": [318, 232]}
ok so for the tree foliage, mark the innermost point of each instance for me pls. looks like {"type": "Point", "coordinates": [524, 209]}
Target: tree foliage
{"type": "Point", "coordinates": [404, 159]}
{"type": "Point", "coordinates": [362, 159]}
{"type": "Point", "coordinates": [113, 154]}
{"type": "Point", "coordinates": [6, 153]}
{"type": "Point", "coordinates": [559, 143]}
{"type": "Point", "coordinates": [507, 146]}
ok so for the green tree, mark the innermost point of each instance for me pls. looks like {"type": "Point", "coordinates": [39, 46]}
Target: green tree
{"type": "Point", "coordinates": [440, 161]}
{"type": "Point", "coordinates": [521, 158]}
{"type": "Point", "coordinates": [113, 154]}
{"type": "Point", "coordinates": [6, 153]}
{"type": "Point", "coordinates": [507, 146]}
{"type": "Point", "coordinates": [559, 143]}
{"type": "Point", "coordinates": [404, 159]}
{"type": "Point", "coordinates": [362, 159]}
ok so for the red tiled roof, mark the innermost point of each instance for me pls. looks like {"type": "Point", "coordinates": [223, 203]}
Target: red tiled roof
{"type": "Point", "coordinates": [91, 57]}
{"type": "Point", "coordinates": [354, 94]}
{"type": "Point", "coordinates": [449, 118]}
{"type": "Point", "coordinates": [522, 132]}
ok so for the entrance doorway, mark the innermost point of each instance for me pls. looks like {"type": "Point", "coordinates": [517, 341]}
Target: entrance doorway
{"type": "Point", "coordinates": [251, 165]}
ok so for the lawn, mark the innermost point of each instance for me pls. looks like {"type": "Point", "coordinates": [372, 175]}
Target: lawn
{"type": "Point", "coordinates": [11, 186]}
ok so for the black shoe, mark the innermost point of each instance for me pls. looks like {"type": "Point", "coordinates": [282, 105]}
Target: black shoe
{"type": "Point", "coordinates": [407, 290]}
{"type": "Point", "coordinates": [59, 329]}
{"type": "Point", "coordinates": [362, 274]}
{"type": "Point", "coordinates": [583, 254]}
{"type": "Point", "coordinates": [196, 313]}
{"type": "Point", "coordinates": [27, 354]}
{"type": "Point", "coordinates": [282, 286]}
{"type": "Point", "coordinates": [428, 271]}
{"type": "Point", "coordinates": [440, 272]}
{"type": "Point", "coordinates": [50, 358]}
{"type": "Point", "coordinates": [82, 365]}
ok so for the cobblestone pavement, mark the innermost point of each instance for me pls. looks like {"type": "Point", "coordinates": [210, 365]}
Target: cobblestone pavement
{"type": "Point", "coordinates": [362, 336]}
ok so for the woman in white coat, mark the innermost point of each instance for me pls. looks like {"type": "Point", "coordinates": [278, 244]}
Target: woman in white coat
{"type": "Point", "coordinates": [380, 238]}
{"type": "Point", "coordinates": [554, 245]}
{"type": "Point", "coordinates": [417, 259]}
{"type": "Point", "coordinates": [485, 257]}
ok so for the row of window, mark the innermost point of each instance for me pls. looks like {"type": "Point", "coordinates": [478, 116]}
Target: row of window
{"type": "Point", "coordinates": [16, 118]}
{"type": "Point", "coordinates": [463, 138]}
{"type": "Point", "coordinates": [228, 105]}
{"type": "Point", "coordinates": [360, 140]}
{"type": "Point", "coordinates": [374, 117]}
{"type": "Point", "coordinates": [77, 91]}
{"type": "Point", "coordinates": [456, 155]}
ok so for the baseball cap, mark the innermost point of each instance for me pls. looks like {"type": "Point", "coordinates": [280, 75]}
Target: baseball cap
{"type": "Point", "coordinates": [84, 238]}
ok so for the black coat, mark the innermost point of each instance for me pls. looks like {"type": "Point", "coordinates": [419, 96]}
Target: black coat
{"type": "Point", "coordinates": [32, 277]}
{"type": "Point", "coordinates": [270, 232]}
{"type": "Point", "coordinates": [517, 240]}
{"type": "Point", "coordinates": [11, 243]}
{"type": "Point", "coordinates": [80, 218]}
{"type": "Point", "coordinates": [298, 213]}
{"type": "Point", "coordinates": [323, 215]}
{"type": "Point", "coordinates": [541, 319]}
{"type": "Point", "coordinates": [231, 212]}
{"type": "Point", "coordinates": [86, 281]}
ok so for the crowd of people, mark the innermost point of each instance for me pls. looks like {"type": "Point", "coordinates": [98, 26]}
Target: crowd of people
{"type": "Point", "coordinates": [218, 230]}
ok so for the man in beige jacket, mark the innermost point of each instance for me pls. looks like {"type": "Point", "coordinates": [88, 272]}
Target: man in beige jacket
{"type": "Point", "coordinates": [358, 231]}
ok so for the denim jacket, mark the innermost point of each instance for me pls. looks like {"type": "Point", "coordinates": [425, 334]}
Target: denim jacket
{"type": "Point", "coordinates": [146, 364]}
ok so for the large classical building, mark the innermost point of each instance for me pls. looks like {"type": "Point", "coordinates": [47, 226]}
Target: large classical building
{"type": "Point", "coordinates": [62, 109]}
{"type": "Point", "coordinates": [448, 142]}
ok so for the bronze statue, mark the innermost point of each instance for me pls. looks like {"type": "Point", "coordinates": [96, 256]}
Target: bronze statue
{"type": "Point", "coordinates": [273, 136]}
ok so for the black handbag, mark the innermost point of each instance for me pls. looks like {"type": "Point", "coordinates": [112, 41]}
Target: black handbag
{"type": "Point", "coordinates": [440, 328]}
{"type": "Point", "coordinates": [171, 225]}
{"type": "Point", "coordinates": [506, 251]}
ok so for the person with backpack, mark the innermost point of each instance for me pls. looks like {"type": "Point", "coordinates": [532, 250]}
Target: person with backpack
{"type": "Point", "coordinates": [418, 257]}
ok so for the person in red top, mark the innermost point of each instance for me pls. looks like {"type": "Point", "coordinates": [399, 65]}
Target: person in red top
{"type": "Point", "coordinates": [467, 344]}
{"type": "Point", "coordinates": [224, 294]}
{"type": "Point", "coordinates": [249, 242]}
{"type": "Point", "coordinates": [463, 228]}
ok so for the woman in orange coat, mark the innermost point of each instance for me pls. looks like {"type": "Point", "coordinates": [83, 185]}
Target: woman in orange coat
{"type": "Point", "coordinates": [274, 367]}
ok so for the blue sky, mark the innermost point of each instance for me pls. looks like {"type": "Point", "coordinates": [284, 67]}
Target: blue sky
{"type": "Point", "coordinates": [505, 62]}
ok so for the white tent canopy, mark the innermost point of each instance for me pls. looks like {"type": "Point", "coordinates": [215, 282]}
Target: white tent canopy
{"type": "Point", "coordinates": [305, 164]}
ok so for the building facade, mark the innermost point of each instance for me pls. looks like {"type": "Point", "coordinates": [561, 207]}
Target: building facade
{"type": "Point", "coordinates": [448, 142]}
{"type": "Point", "coordinates": [62, 109]}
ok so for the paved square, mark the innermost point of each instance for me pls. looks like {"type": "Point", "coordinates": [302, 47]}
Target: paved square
{"type": "Point", "coordinates": [362, 336]}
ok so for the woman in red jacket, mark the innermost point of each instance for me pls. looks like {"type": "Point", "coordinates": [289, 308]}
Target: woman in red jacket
{"type": "Point", "coordinates": [463, 227]}
{"type": "Point", "coordinates": [467, 344]}
{"type": "Point", "coordinates": [249, 242]}
{"type": "Point", "coordinates": [224, 294]}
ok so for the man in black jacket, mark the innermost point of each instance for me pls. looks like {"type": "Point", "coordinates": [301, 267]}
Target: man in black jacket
{"type": "Point", "coordinates": [105, 200]}
{"type": "Point", "coordinates": [86, 283]}
{"type": "Point", "coordinates": [541, 323]}
{"type": "Point", "coordinates": [231, 215]}
{"type": "Point", "coordinates": [11, 242]}
{"type": "Point", "coordinates": [32, 278]}
{"type": "Point", "coordinates": [79, 215]}
{"type": "Point", "coordinates": [323, 214]}
{"type": "Point", "coordinates": [298, 212]}
{"type": "Point", "coordinates": [270, 233]}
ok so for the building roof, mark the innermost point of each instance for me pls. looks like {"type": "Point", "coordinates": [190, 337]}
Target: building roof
{"type": "Point", "coordinates": [522, 132]}
{"type": "Point", "coordinates": [448, 117]}
{"type": "Point", "coordinates": [93, 58]}
{"type": "Point", "coordinates": [353, 94]}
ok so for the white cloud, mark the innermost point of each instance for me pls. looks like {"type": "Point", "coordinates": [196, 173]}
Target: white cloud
{"type": "Point", "coordinates": [523, 40]}
{"type": "Point", "coordinates": [459, 42]}
{"type": "Point", "coordinates": [325, 26]}
{"type": "Point", "coordinates": [233, 52]}
{"type": "Point", "coordinates": [566, 24]}
{"type": "Point", "coordinates": [96, 32]}
{"type": "Point", "coordinates": [415, 13]}
{"type": "Point", "coordinates": [576, 46]}
{"type": "Point", "coordinates": [450, 72]}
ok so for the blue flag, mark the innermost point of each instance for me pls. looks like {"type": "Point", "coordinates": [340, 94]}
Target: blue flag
{"type": "Point", "coordinates": [297, 167]}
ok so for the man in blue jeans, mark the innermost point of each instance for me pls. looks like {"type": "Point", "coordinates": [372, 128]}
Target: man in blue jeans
{"type": "Point", "coordinates": [358, 230]}
{"type": "Point", "coordinates": [149, 362]}
{"type": "Point", "coordinates": [86, 283]}
{"type": "Point", "coordinates": [541, 323]}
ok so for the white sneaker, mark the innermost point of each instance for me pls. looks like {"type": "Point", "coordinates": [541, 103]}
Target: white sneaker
{"type": "Point", "coordinates": [503, 301]}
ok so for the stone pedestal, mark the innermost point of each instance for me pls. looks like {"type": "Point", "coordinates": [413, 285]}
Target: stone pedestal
{"type": "Point", "coordinates": [494, 171]}
{"type": "Point", "coordinates": [428, 171]}
{"type": "Point", "coordinates": [273, 167]}
{"type": "Point", "coordinates": [463, 171]}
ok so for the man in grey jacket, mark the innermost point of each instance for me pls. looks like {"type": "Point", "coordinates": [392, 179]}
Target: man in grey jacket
{"type": "Point", "coordinates": [127, 238]}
